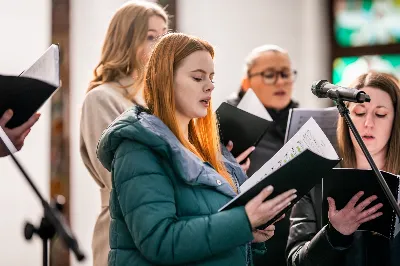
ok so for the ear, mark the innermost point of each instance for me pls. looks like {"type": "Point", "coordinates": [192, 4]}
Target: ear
{"type": "Point", "coordinates": [245, 84]}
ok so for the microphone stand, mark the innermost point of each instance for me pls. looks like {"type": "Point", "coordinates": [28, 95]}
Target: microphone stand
{"type": "Point", "coordinates": [52, 221]}
{"type": "Point", "coordinates": [344, 112]}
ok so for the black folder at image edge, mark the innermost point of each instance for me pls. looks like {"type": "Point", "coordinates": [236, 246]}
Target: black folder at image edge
{"type": "Point", "coordinates": [24, 96]}
{"type": "Point", "coordinates": [342, 184]}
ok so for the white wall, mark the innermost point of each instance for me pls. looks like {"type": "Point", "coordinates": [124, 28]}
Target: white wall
{"type": "Point", "coordinates": [235, 27]}
{"type": "Point", "coordinates": [25, 35]}
{"type": "Point", "coordinates": [89, 22]}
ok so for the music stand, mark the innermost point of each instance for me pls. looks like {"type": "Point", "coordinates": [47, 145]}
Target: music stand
{"type": "Point", "coordinates": [53, 222]}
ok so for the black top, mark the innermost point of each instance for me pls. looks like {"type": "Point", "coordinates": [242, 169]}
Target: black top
{"type": "Point", "coordinates": [312, 243]}
{"type": "Point", "coordinates": [273, 140]}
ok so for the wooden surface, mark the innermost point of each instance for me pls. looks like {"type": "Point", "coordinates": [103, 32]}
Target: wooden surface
{"type": "Point", "coordinates": [60, 174]}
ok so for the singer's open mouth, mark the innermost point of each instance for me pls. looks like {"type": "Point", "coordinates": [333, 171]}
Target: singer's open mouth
{"type": "Point", "coordinates": [368, 137]}
{"type": "Point", "coordinates": [280, 93]}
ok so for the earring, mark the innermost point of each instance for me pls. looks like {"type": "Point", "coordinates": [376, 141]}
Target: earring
{"type": "Point", "coordinates": [245, 84]}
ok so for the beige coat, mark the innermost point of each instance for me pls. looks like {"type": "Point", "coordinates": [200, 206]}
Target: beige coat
{"type": "Point", "coordinates": [101, 106]}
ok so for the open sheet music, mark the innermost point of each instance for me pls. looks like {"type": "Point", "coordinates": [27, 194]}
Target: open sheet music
{"type": "Point", "coordinates": [47, 67]}
{"type": "Point", "coordinates": [326, 118]}
{"type": "Point", "coordinates": [309, 136]}
{"type": "Point", "coordinates": [299, 164]}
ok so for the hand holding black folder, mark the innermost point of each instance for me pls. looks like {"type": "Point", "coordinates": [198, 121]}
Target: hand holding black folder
{"type": "Point", "coordinates": [15, 136]}
{"type": "Point", "coordinates": [263, 208]}
{"type": "Point", "coordinates": [343, 184]}
{"type": "Point", "coordinates": [240, 127]}
{"type": "Point", "coordinates": [300, 165]}
{"type": "Point", "coordinates": [25, 94]}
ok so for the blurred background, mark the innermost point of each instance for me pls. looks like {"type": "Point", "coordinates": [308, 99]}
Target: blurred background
{"type": "Point", "coordinates": [326, 39]}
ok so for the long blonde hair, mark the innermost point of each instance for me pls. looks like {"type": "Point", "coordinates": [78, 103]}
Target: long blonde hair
{"type": "Point", "coordinates": [387, 84]}
{"type": "Point", "coordinates": [126, 33]}
{"type": "Point", "coordinates": [159, 96]}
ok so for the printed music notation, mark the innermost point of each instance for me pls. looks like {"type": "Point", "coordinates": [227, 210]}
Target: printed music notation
{"type": "Point", "coordinates": [310, 136]}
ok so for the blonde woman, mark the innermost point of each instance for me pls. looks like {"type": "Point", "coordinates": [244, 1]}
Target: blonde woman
{"type": "Point", "coordinates": [116, 86]}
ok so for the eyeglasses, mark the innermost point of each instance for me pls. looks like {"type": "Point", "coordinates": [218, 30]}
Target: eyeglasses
{"type": "Point", "coordinates": [270, 77]}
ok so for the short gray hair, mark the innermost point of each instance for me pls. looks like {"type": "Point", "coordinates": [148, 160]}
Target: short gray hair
{"type": "Point", "coordinates": [258, 51]}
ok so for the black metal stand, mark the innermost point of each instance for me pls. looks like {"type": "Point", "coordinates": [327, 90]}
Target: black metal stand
{"type": "Point", "coordinates": [52, 222]}
{"type": "Point", "coordinates": [344, 112]}
{"type": "Point", "coordinates": [45, 230]}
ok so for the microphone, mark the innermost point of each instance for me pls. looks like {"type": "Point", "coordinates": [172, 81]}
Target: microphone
{"type": "Point", "coordinates": [324, 89]}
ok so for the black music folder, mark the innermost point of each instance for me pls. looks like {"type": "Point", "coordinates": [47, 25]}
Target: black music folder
{"type": "Point", "coordinates": [343, 184]}
{"type": "Point", "coordinates": [326, 118]}
{"type": "Point", "coordinates": [300, 164]}
{"type": "Point", "coordinates": [242, 128]}
{"type": "Point", "coordinates": [26, 93]}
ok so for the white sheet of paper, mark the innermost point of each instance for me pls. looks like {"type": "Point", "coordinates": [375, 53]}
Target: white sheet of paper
{"type": "Point", "coordinates": [7, 141]}
{"type": "Point", "coordinates": [47, 67]}
{"type": "Point", "coordinates": [310, 136]}
{"type": "Point", "coordinates": [251, 104]}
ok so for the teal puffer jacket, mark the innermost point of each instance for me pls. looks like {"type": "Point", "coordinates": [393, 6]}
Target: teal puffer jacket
{"type": "Point", "coordinates": [164, 200]}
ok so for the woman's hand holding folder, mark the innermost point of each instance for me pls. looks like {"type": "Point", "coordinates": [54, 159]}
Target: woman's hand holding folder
{"type": "Point", "coordinates": [16, 135]}
{"type": "Point", "coordinates": [262, 235]}
{"type": "Point", "coordinates": [246, 165]}
{"type": "Point", "coordinates": [347, 220]}
{"type": "Point", "coordinates": [260, 211]}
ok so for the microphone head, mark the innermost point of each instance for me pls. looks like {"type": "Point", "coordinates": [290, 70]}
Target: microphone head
{"type": "Point", "coordinates": [363, 97]}
{"type": "Point", "coordinates": [316, 88]}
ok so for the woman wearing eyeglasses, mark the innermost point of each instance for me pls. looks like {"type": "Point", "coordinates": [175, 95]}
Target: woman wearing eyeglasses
{"type": "Point", "coordinates": [270, 75]}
